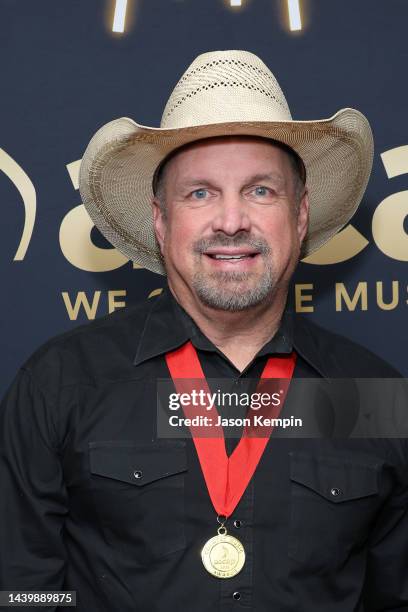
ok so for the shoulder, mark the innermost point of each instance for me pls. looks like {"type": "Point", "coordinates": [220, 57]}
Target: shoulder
{"type": "Point", "coordinates": [90, 351]}
{"type": "Point", "coordinates": [337, 355]}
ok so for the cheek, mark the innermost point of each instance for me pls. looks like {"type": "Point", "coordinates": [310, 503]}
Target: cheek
{"type": "Point", "coordinates": [192, 222]}
{"type": "Point", "coordinates": [281, 235]}
{"type": "Point", "coordinates": [180, 235]}
{"type": "Point", "coordinates": [280, 230]}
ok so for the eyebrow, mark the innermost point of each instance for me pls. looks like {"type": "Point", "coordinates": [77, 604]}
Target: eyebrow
{"type": "Point", "coordinates": [195, 182]}
{"type": "Point", "coordinates": [274, 177]}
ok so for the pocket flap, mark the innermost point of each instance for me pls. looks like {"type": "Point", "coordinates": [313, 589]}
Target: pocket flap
{"type": "Point", "coordinates": [137, 463]}
{"type": "Point", "coordinates": [334, 478]}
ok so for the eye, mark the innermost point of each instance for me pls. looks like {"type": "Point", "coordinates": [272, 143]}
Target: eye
{"type": "Point", "coordinates": [199, 194]}
{"type": "Point", "coordinates": [260, 190]}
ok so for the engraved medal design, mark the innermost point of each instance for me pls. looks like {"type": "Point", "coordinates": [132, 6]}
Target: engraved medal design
{"type": "Point", "coordinates": [223, 555]}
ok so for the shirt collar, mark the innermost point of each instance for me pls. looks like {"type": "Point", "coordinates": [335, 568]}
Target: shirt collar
{"type": "Point", "coordinates": [161, 332]}
{"type": "Point", "coordinates": [168, 326]}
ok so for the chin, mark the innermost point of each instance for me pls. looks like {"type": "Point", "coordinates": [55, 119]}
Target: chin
{"type": "Point", "coordinates": [242, 296]}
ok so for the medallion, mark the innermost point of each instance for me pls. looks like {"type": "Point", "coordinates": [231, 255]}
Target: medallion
{"type": "Point", "coordinates": [223, 556]}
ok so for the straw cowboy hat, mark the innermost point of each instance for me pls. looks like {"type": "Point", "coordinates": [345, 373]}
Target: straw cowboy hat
{"type": "Point", "coordinates": [222, 93]}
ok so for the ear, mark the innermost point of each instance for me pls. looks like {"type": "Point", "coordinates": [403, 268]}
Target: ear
{"type": "Point", "coordinates": [303, 216]}
{"type": "Point", "coordinates": [159, 223]}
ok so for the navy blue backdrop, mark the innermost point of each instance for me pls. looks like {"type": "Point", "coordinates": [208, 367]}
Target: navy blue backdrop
{"type": "Point", "coordinates": [64, 73]}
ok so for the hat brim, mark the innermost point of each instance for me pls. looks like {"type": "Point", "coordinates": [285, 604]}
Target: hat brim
{"type": "Point", "coordinates": [117, 168]}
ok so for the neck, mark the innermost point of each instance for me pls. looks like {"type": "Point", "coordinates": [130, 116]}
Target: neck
{"type": "Point", "coordinates": [239, 335]}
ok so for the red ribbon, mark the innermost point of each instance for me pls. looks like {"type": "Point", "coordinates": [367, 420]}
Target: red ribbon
{"type": "Point", "coordinates": [226, 477]}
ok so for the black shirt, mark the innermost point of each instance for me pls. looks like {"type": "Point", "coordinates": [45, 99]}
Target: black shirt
{"type": "Point", "coordinates": [93, 501]}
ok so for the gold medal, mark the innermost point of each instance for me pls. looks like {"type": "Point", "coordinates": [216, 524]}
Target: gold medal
{"type": "Point", "coordinates": [223, 555]}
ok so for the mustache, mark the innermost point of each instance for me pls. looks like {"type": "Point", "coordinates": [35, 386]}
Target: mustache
{"type": "Point", "coordinates": [238, 240]}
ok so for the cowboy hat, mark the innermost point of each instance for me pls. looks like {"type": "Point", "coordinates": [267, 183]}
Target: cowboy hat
{"type": "Point", "coordinates": [222, 93]}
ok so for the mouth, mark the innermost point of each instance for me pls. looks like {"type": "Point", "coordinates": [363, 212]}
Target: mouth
{"type": "Point", "coordinates": [242, 260]}
{"type": "Point", "coordinates": [231, 255]}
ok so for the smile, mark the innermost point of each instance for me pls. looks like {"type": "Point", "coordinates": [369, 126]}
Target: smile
{"type": "Point", "coordinates": [243, 260]}
{"type": "Point", "coordinates": [243, 256]}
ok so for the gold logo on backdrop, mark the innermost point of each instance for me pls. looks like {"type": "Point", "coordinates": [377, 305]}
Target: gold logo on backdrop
{"type": "Point", "coordinates": [387, 224]}
{"type": "Point", "coordinates": [390, 214]}
{"type": "Point", "coordinates": [76, 227]}
{"type": "Point", "coordinates": [388, 234]}
{"type": "Point", "coordinates": [27, 191]}
{"type": "Point", "coordinates": [75, 238]}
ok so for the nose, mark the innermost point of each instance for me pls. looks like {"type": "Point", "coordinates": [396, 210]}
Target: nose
{"type": "Point", "coordinates": [231, 215]}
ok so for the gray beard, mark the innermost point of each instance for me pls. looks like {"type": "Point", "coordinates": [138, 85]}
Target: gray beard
{"type": "Point", "coordinates": [225, 291]}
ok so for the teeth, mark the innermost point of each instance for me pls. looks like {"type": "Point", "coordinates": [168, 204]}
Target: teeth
{"type": "Point", "coordinates": [229, 256]}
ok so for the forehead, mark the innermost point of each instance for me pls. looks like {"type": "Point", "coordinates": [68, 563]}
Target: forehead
{"type": "Point", "coordinates": [248, 148]}
{"type": "Point", "coordinates": [239, 153]}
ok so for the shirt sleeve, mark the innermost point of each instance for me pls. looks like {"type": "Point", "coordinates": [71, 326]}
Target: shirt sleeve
{"type": "Point", "coordinates": [386, 584]}
{"type": "Point", "coordinates": [33, 500]}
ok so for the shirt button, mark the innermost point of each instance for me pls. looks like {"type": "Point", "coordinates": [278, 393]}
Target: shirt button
{"type": "Point", "coordinates": [137, 474]}
{"type": "Point", "coordinates": [335, 491]}
{"type": "Point", "coordinates": [237, 523]}
{"type": "Point", "coordinates": [236, 595]}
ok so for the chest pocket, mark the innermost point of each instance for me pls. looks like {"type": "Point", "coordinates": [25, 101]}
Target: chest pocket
{"type": "Point", "coordinates": [334, 501]}
{"type": "Point", "coordinates": [138, 494]}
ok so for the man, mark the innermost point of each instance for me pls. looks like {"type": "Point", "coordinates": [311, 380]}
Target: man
{"type": "Point", "coordinates": [94, 500]}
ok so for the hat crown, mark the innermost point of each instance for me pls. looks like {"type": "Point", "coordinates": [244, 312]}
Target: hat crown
{"type": "Point", "coordinates": [224, 86]}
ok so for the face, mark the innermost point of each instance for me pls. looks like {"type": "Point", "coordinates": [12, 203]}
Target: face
{"type": "Point", "coordinates": [232, 233]}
